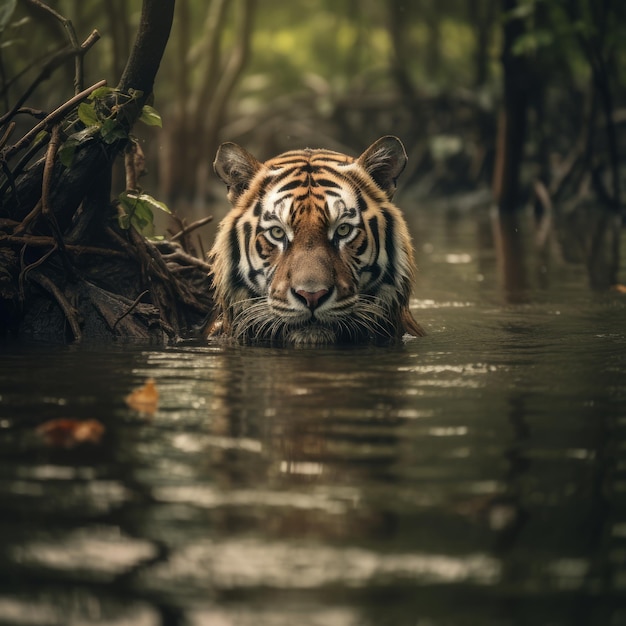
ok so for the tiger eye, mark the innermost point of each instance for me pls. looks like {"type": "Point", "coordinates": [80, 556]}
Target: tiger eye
{"type": "Point", "coordinates": [277, 232]}
{"type": "Point", "coordinates": [343, 230]}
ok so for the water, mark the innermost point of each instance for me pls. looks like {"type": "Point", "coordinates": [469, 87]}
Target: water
{"type": "Point", "coordinates": [472, 477]}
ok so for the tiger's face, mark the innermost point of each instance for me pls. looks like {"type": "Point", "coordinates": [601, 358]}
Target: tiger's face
{"type": "Point", "coordinates": [313, 251]}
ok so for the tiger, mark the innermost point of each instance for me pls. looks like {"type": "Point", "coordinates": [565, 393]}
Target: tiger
{"type": "Point", "coordinates": [313, 251]}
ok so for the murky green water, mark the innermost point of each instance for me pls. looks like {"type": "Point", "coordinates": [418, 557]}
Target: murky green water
{"type": "Point", "coordinates": [476, 476]}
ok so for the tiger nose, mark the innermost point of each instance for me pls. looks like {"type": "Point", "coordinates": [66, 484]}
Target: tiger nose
{"type": "Point", "coordinates": [312, 299]}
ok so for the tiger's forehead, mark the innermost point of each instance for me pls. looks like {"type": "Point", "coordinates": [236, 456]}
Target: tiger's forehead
{"type": "Point", "coordinates": [309, 183]}
{"type": "Point", "coordinates": [308, 157]}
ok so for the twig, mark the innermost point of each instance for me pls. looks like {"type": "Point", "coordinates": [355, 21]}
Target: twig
{"type": "Point", "coordinates": [53, 62]}
{"type": "Point", "coordinates": [32, 266]}
{"type": "Point", "coordinates": [52, 118]}
{"type": "Point", "coordinates": [46, 189]}
{"type": "Point", "coordinates": [41, 241]}
{"type": "Point", "coordinates": [20, 165]}
{"type": "Point", "coordinates": [66, 307]}
{"type": "Point", "coordinates": [46, 185]}
{"type": "Point", "coordinates": [71, 35]}
{"type": "Point", "coordinates": [191, 227]}
{"type": "Point", "coordinates": [130, 308]}
{"type": "Point", "coordinates": [10, 181]}
{"type": "Point", "coordinates": [26, 222]}
{"type": "Point", "coordinates": [36, 113]}
{"type": "Point", "coordinates": [187, 259]}
{"type": "Point", "coordinates": [7, 134]}
{"type": "Point", "coordinates": [131, 158]}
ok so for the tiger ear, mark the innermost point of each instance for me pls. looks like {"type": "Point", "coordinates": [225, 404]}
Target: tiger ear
{"type": "Point", "coordinates": [235, 166]}
{"type": "Point", "coordinates": [384, 161]}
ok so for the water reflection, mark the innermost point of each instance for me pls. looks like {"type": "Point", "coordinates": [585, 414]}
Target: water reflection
{"type": "Point", "coordinates": [473, 476]}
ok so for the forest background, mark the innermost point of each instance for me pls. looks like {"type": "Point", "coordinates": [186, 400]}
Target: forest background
{"type": "Point", "coordinates": [494, 94]}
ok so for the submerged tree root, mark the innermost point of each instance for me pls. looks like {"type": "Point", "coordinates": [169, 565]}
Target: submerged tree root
{"type": "Point", "coordinates": [121, 289]}
{"type": "Point", "coordinates": [129, 290]}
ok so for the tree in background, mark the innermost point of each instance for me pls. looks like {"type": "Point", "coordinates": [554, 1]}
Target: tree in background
{"type": "Point", "coordinates": [339, 73]}
{"type": "Point", "coordinates": [548, 48]}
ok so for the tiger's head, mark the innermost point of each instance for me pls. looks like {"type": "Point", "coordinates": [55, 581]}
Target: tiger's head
{"type": "Point", "coordinates": [313, 251]}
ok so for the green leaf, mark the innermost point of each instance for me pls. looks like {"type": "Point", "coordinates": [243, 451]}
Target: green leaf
{"type": "Point", "coordinates": [112, 130]}
{"type": "Point", "coordinates": [87, 114]}
{"type": "Point", "coordinates": [148, 199]}
{"type": "Point", "coordinates": [150, 117]}
{"type": "Point", "coordinates": [101, 92]}
{"type": "Point", "coordinates": [73, 142]}
{"type": "Point", "coordinates": [66, 153]}
{"type": "Point", "coordinates": [135, 93]}
{"type": "Point", "coordinates": [135, 209]}
{"type": "Point", "coordinates": [41, 135]}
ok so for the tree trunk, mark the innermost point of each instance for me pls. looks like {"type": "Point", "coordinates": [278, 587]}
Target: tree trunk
{"type": "Point", "coordinates": [513, 116]}
{"type": "Point", "coordinates": [482, 14]}
{"type": "Point", "coordinates": [398, 12]}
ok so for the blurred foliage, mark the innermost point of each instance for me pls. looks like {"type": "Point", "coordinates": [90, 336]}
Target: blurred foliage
{"type": "Point", "coordinates": [336, 73]}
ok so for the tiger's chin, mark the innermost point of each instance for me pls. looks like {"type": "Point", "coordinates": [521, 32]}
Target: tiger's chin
{"type": "Point", "coordinates": [313, 335]}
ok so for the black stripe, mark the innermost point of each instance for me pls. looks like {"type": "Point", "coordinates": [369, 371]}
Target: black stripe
{"type": "Point", "coordinates": [363, 247]}
{"type": "Point", "coordinates": [289, 186]}
{"type": "Point", "coordinates": [326, 182]}
{"type": "Point", "coordinates": [284, 174]}
{"type": "Point", "coordinates": [360, 202]}
{"type": "Point", "coordinates": [389, 242]}
{"type": "Point", "coordinates": [234, 256]}
{"type": "Point", "coordinates": [247, 235]}
{"type": "Point", "coordinates": [374, 268]}
{"type": "Point", "coordinates": [389, 247]}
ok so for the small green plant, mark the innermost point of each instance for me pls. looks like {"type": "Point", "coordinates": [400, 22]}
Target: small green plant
{"type": "Point", "coordinates": [135, 208]}
{"type": "Point", "coordinates": [99, 115]}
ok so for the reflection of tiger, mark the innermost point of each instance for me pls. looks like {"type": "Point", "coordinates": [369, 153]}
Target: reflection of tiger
{"type": "Point", "coordinates": [313, 251]}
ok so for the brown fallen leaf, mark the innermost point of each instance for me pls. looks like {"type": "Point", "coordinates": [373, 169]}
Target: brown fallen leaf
{"type": "Point", "coordinates": [619, 288]}
{"type": "Point", "coordinates": [144, 399]}
{"type": "Point", "coordinates": [67, 433]}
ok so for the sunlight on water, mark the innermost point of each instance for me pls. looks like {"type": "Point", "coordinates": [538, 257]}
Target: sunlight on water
{"type": "Point", "coordinates": [103, 552]}
{"type": "Point", "coordinates": [252, 563]}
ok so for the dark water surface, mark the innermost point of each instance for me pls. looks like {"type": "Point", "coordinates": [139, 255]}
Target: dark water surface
{"type": "Point", "coordinates": [476, 476]}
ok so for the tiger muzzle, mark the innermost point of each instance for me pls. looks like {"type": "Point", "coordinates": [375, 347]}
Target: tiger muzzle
{"type": "Point", "coordinates": [312, 299]}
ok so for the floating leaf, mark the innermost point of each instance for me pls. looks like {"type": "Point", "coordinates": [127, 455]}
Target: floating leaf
{"type": "Point", "coordinates": [150, 117]}
{"type": "Point", "coordinates": [67, 433]}
{"type": "Point", "coordinates": [144, 399]}
{"type": "Point", "coordinates": [87, 114]}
